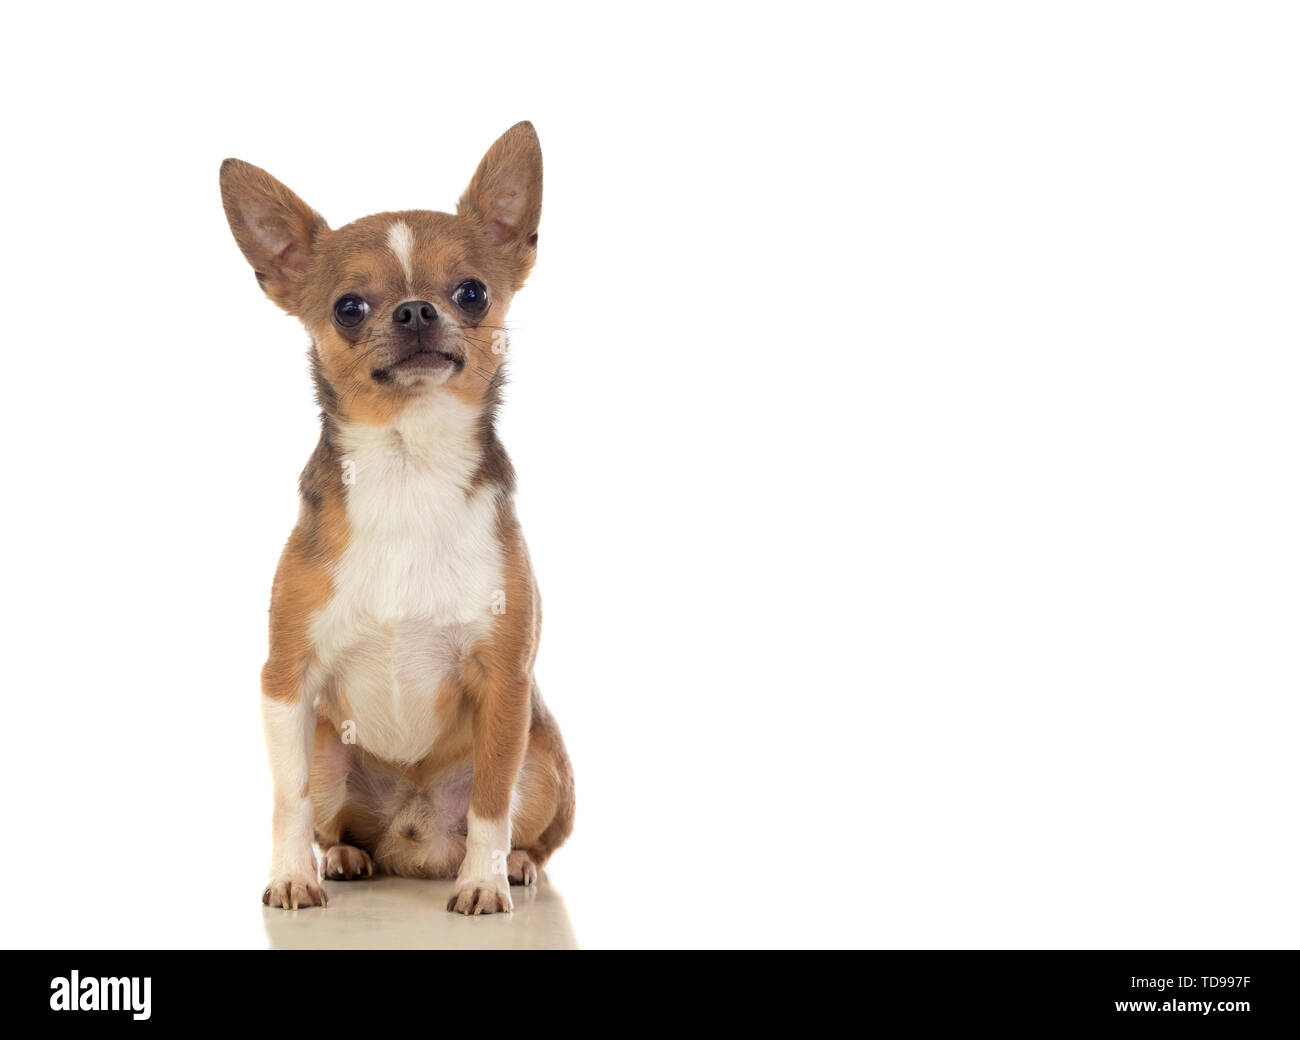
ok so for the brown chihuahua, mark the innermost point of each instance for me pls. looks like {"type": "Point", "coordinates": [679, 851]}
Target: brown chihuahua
{"type": "Point", "coordinates": [406, 732]}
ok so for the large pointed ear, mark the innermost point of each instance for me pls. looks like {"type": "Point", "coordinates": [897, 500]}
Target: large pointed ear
{"type": "Point", "coordinates": [505, 196]}
{"type": "Point", "coordinates": [274, 228]}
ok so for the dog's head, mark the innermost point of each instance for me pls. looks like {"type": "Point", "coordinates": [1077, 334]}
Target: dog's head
{"type": "Point", "coordinates": [398, 304]}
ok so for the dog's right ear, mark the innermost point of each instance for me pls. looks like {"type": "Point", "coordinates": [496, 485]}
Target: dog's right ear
{"type": "Point", "coordinates": [275, 229]}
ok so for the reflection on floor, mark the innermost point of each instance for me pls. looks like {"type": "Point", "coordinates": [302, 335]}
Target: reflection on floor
{"type": "Point", "coordinates": [408, 914]}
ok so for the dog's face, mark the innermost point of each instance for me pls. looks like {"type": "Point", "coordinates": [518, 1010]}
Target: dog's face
{"type": "Point", "coordinates": [397, 304]}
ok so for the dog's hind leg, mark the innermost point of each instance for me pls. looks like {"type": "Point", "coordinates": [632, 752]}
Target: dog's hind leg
{"type": "Point", "coordinates": [346, 863]}
{"type": "Point", "coordinates": [544, 798]}
{"type": "Point", "coordinates": [332, 762]}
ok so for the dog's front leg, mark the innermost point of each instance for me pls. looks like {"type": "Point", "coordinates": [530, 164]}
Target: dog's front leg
{"type": "Point", "coordinates": [501, 718]}
{"type": "Point", "coordinates": [289, 718]}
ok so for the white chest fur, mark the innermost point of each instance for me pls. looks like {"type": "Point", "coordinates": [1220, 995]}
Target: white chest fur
{"type": "Point", "coordinates": [415, 588]}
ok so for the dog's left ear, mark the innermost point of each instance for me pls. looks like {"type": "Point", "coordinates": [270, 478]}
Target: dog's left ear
{"type": "Point", "coordinates": [505, 196]}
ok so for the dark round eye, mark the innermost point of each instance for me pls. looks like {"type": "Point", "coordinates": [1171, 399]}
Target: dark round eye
{"type": "Point", "coordinates": [350, 311]}
{"type": "Point", "coordinates": [470, 296]}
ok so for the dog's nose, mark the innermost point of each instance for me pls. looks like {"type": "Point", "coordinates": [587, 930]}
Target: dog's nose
{"type": "Point", "coordinates": [415, 314]}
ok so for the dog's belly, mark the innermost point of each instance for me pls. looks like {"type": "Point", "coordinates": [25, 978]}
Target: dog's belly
{"type": "Point", "coordinates": [420, 830]}
{"type": "Point", "coordinates": [387, 684]}
{"type": "Point", "coordinates": [418, 583]}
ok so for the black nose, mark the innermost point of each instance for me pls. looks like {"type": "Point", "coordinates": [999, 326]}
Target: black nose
{"type": "Point", "coordinates": [415, 314]}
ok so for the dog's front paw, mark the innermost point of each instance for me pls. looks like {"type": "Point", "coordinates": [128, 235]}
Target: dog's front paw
{"type": "Point", "coordinates": [489, 895]}
{"type": "Point", "coordinates": [294, 891]}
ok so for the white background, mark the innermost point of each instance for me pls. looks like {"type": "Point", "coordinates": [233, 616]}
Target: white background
{"type": "Point", "coordinates": [905, 408]}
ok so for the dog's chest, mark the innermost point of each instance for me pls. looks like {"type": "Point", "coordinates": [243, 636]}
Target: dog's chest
{"type": "Point", "coordinates": [415, 588]}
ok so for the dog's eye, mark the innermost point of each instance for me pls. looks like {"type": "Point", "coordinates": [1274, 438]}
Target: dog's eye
{"type": "Point", "coordinates": [350, 311]}
{"type": "Point", "coordinates": [470, 296]}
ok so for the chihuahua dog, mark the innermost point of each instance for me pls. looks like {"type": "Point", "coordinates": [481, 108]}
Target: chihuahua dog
{"type": "Point", "coordinates": [405, 730]}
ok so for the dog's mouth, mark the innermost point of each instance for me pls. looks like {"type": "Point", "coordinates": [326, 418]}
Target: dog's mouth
{"type": "Point", "coordinates": [421, 359]}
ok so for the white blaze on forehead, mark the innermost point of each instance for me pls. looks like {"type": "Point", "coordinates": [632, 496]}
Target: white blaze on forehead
{"type": "Point", "coordinates": [401, 240]}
